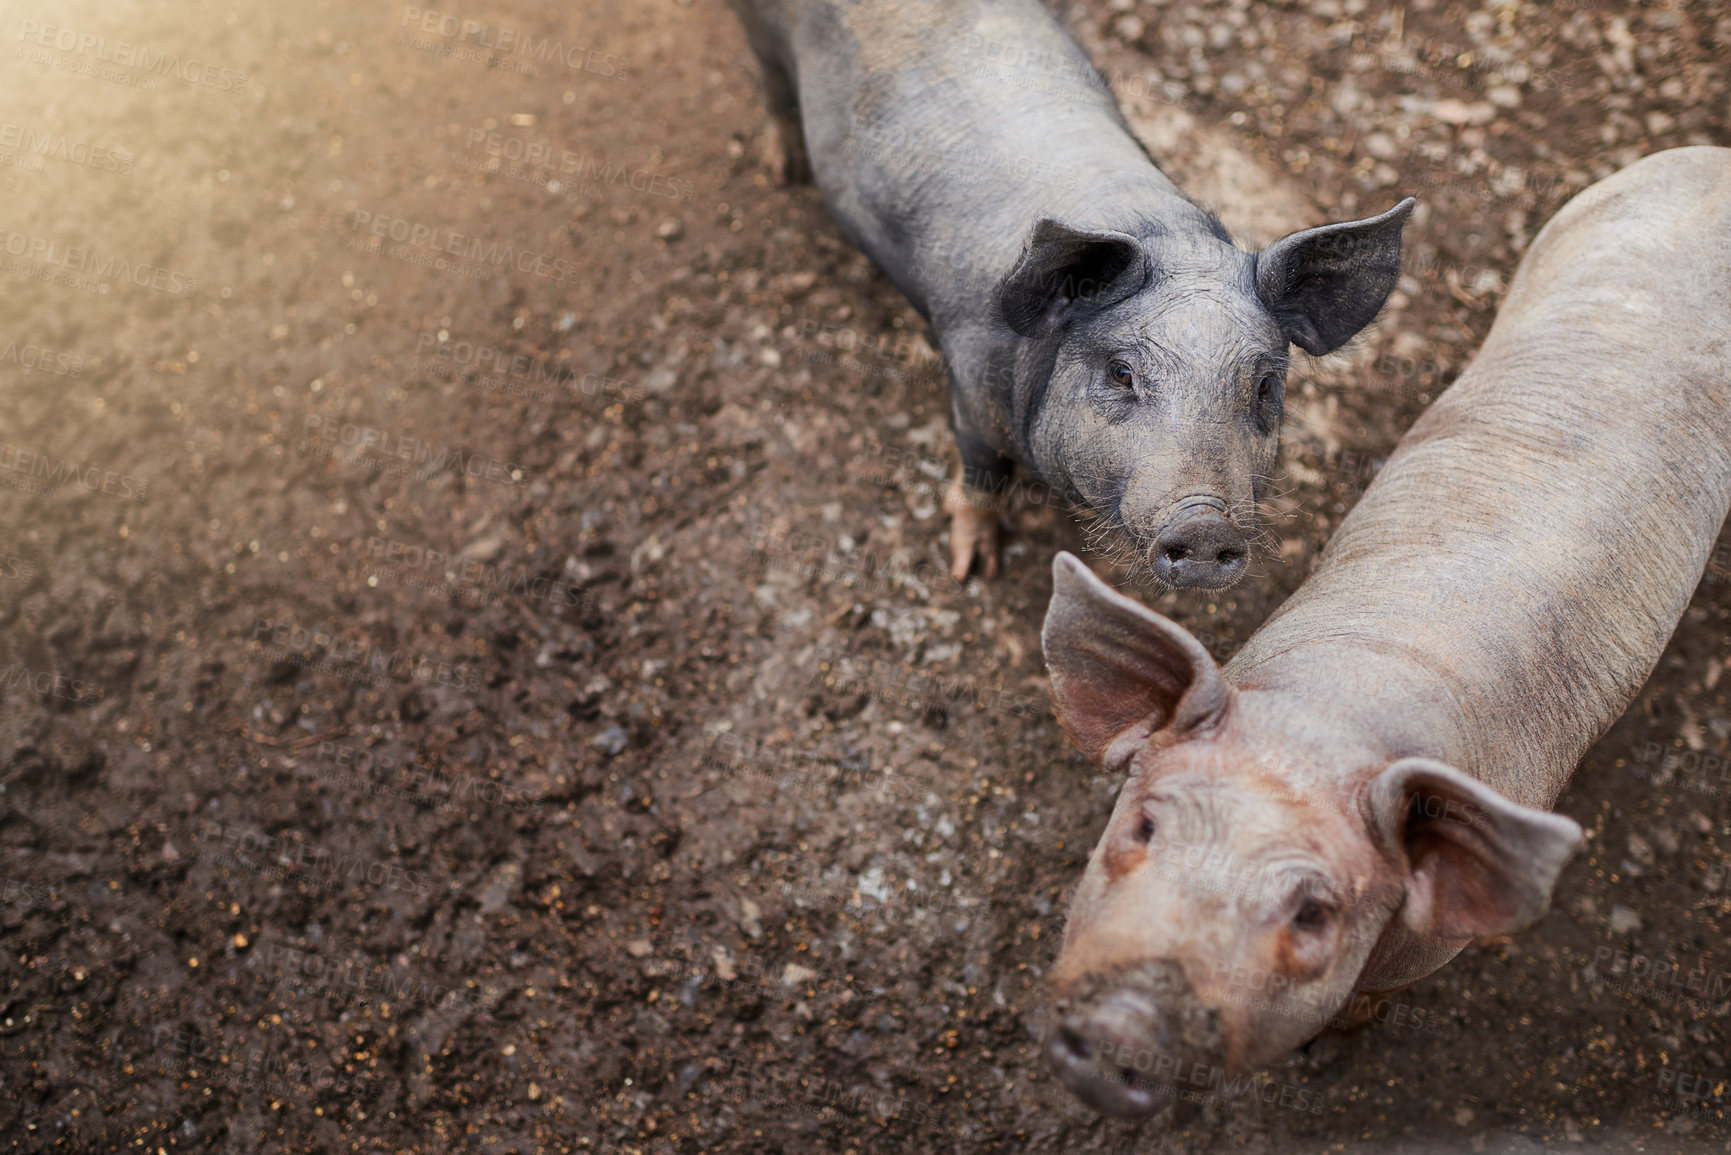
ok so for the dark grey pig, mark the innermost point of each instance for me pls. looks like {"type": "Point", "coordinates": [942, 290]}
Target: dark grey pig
{"type": "Point", "coordinates": [1365, 788]}
{"type": "Point", "coordinates": [1098, 327]}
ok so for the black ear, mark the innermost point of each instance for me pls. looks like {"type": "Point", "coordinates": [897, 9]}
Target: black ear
{"type": "Point", "coordinates": [1119, 671]}
{"type": "Point", "coordinates": [1477, 865]}
{"type": "Point", "coordinates": [1062, 267]}
{"type": "Point", "coordinates": [1325, 284]}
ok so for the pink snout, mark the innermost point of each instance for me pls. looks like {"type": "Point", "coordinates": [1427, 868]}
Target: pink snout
{"type": "Point", "coordinates": [1105, 1053]}
{"type": "Point", "coordinates": [1120, 1042]}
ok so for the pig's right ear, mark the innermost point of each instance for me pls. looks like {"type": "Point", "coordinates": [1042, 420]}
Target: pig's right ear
{"type": "Point", "coordinates": [1119, 671]}
{"type": "Point", "coordinates": [1063, 269]}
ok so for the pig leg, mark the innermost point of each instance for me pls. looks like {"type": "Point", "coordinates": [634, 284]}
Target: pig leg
{"type": "Point", "coordinates": [783, 146]}
{"type": "Point", "coordinates": [974, 501]}
{"type": "Point", "coordinates": [973, 529]}
{"type": "Point", "coordinates": [784, 150]}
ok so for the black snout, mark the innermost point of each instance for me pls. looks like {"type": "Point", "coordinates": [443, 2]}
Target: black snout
{"type": "Point", "coordinates": [1199, 547]}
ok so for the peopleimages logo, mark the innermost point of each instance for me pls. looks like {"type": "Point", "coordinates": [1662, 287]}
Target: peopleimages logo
{"type": "Point", "coordinates": [491, 363]}
{"type": "Point", "coordinates": [411, 777]}
{"type": "Point", "coordinates": [514, 42]}
{"type": "Point", "coordinates": [537, 160]}
{"type": "Point", "coordinates": [65, 148]}
{"type": "Point", "coordinates": [439, 241]}
{"type": "Point", "coordinates": [309, 972]}
{"type": "Point", "coordinates": [323, 651]}
{"type": "Point", "coordinates": [47, 683]}
{"type": "Point", "coordinates": [464, 574]}
{"type": "Point", "coordinates": [284, 857]}
{"type": "Point", "coordinates": [86, 260]}
{"type": "Point", "coordinates": [261, 1071]}
{"type": "Point", "coordinates": [365, 439]}
{"type": "Point", "coordinates": [50, 473]}
{"type": "Point", "coordinates": [33, 358]}
{"type": "Point", "coordinates": [135, 56]}
{"type": "Point", "coordinates": [1630, 970]}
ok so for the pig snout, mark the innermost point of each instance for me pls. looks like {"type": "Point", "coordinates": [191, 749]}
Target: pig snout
{"type": "Point", "coordinates": [1106, 1053]}
{"type": "Point", "coordinates": [1122, 1042]}
{"type": "Point", "coordinates": [1198, 546]}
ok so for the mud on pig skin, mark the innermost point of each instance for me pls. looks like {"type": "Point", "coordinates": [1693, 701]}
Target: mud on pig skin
{"type": "Point", "coordinates": [1098, 327]}
{"type": "Point", "coordinates": [1364, 789]}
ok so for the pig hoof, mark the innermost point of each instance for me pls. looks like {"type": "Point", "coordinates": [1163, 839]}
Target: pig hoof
{"type": "Point", "coordinates": [1322, 1051]}
{"type": "Point", "coordinates": [973, 531]}
{"type": "Point", "coordinates": [784, 152]}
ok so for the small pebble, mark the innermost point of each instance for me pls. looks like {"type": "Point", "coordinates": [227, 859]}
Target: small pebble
{"type": "Point", "coordinates": [611, 741]}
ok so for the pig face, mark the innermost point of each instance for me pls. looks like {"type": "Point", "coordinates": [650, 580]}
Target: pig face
{"type": "Point", "coordinates": [1165, 359]}
{"type": "Point", "coordinates": [1222, 920]}
{"type": "Point", "coordinates": [1258, 864]}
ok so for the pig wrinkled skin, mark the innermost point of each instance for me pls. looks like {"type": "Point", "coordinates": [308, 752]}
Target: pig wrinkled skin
{"type": "Point", "coordinates": [1097, 326]}
{"type": "Point", "coordinates": [1364, 789]}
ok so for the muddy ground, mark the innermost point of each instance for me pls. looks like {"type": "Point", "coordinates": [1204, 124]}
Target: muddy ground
{"type": "Point", "coordinates": [500, 693]}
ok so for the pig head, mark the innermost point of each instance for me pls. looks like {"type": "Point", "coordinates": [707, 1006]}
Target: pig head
{"type": "Point", "coordinates": [1262, 864]}
{"type": "Point", "coordinates": [1163, 358]}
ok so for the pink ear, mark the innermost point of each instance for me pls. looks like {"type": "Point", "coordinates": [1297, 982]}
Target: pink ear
{"type": "Point", "coordinates": [1477, 865]}
{"type": "Point", "coordinates": [1119, 671]}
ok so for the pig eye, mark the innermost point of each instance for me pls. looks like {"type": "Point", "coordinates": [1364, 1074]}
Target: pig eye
{"type": "Point", "coordinates": [1145, 832]}
{"type": "Point", "coordinates": [1312, 916]}
{"type": "Point", "coordinates": [1121, 375]}
{"type": "Point", "coordinates": [1267, 388]}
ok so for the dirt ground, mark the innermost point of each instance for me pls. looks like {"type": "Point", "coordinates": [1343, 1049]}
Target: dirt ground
{"type": "Point", "coordinates": [489, 682]}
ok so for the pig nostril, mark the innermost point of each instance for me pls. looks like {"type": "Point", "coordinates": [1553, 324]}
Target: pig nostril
{"type": "Point", "coordinates": [1201, 549]}
{"type": "Point", "coordinates": [1075, 1044]}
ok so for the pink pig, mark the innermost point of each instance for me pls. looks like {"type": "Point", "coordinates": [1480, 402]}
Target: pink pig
{"type": "Point", "coordinates": [1365, 789]}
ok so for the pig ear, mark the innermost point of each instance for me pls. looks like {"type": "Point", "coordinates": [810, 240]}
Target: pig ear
{"type": "Point", "coordinates": [1325, 284]}
{"type": "Point", "coordinates": [1477, 865]}
{"type": "Point", "coordinates": [1062, 268]}
{"type": "Point", "coordinates": [1119, 671]}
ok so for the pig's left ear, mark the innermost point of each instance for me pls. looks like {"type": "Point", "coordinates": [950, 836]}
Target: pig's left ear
{"type": "Point", "coordinates": [1477, 865]}
{"type": "Point", "coordinates": [1119, 671]}
{"type": "Point", "coordinates": [1325, 284]}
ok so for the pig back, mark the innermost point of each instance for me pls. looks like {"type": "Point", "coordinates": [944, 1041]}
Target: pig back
{"type": "Point", "coordinates": [942, 131]}
{"type": "Point", "coordinates": [1509, 580]}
